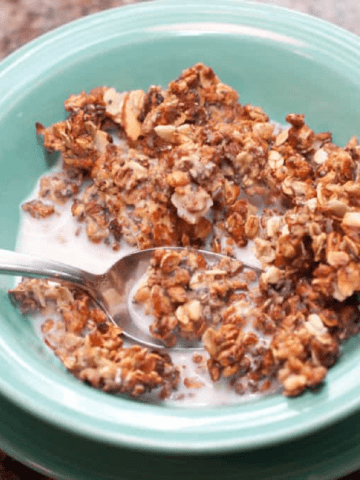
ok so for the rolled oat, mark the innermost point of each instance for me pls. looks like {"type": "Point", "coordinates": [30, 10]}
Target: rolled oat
{"type": "Point", "coordinates": [193, 167]}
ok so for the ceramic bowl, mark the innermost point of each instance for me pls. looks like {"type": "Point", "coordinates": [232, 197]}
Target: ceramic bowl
{"type": "Point", "coordinates": [278, 59]}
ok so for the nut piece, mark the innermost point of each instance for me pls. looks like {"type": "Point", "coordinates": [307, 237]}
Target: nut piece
{"type": "Point", "coordinates": [124, 109]}
{"type": "Point", "coordinates": [192, 202]}
{"type": "Point", "coordinates": [114, 102]}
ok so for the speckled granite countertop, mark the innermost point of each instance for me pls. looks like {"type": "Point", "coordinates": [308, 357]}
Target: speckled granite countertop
{"type": "Point", "coordinates": [23, 20]}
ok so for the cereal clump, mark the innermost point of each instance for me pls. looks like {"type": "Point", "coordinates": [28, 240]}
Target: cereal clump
{"type": "Point", "coordinates": [191, 166]}
{"type": "Point", "coordinates": [90, 346]}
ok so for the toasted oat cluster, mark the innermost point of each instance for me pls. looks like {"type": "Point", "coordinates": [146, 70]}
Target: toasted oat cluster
{"type": "Point", "coordinates": [191, 166]}
{"type": "Point", "coordinates": [90, 346]}
{"type": "Point", "coordinates": [186, 295]}
{"type": "Point", "coordinates": [193, 299]}
{"type": "Point", "coordinates": [254, 336]}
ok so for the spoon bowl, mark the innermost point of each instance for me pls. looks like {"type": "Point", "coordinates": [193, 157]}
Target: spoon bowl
{"type": "Point", "coordinates": [111, 290]}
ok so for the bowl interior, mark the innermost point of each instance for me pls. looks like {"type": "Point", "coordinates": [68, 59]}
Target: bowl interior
{"type": "Point", "coordinates": [284, 63]}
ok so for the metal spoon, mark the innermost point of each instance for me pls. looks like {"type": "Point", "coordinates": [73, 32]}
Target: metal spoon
{"type": "Point", "coordinates": [111, 290]}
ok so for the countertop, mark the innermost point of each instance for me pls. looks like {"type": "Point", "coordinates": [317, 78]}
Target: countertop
{"type": "Point", "coordinates": [24, 20]}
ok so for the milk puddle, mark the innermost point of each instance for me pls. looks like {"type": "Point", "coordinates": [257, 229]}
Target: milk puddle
{"type": "Point", "coordinates": [60, 237]}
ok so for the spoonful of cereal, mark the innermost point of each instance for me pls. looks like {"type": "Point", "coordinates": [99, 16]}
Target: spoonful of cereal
{"type": "Point", "coordinates": [183, 291]}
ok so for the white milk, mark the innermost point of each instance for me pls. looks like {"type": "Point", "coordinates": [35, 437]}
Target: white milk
{"type": "Point", "coordinates": [60, 237]}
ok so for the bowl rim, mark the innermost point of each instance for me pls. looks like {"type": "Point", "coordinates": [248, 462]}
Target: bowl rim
{"type": "Point", "coordinates": [243, 427]}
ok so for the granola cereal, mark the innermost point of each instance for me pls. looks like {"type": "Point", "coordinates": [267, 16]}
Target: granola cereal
{"type": "Point", "coordinates": [189, 165]}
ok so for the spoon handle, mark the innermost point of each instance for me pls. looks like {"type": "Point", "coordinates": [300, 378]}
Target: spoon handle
{"type": "Point", "coordinates": [14, 263]}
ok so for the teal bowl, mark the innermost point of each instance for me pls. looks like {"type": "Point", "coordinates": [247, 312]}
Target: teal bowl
{"type": "Point", "coordinates": [278, 59]}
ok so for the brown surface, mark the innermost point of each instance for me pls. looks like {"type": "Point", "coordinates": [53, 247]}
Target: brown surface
{"type": "Point", "coordinates": [24, 20]}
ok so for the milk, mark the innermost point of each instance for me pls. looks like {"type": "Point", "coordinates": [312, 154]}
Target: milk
{"type": "Point", "coordinates": [61, 237]}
